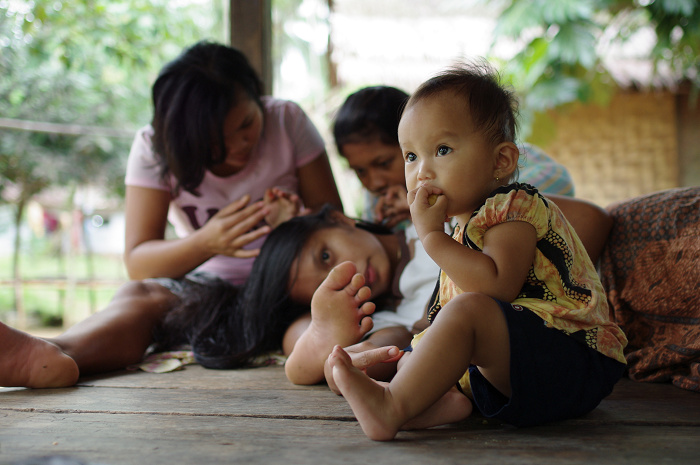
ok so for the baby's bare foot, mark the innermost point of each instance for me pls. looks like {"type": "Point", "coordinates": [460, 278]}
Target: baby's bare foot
{"type": "Point", "coordinates": [339, 315]}
{"type": "Point", "coordinates": [28, 361]}
{"type": "Point", "coordinates": [451, 408]}
{"type": "Point", "coordinates": [369, 400]}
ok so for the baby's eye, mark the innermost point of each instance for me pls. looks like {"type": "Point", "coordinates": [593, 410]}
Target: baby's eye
{"type": "Point", "coordinates": [410, 157]}
{"type": "Point", "coordinates": [325, 256]}
{"type": "Point", "coordinates": [443, 150]}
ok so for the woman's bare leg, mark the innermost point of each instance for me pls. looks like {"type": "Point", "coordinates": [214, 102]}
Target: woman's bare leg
{"type": "Point", "coordinates": [109, 340]}
{"type": "Point", "coordinates": [118, 335]}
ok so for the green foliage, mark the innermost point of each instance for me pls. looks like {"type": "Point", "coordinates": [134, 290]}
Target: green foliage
{"type": "Point", "coordinates": [559, 58]}
{"type": "Point", "coordinates": [85, 63]}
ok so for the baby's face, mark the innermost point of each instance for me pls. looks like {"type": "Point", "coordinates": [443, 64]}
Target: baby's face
{"type": "Point", "coordinates": [442, 148]}
{"type": "Point", "coordinates": [329, 247]}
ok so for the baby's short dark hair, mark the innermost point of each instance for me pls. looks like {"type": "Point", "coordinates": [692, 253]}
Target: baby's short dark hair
{"type": "Point", "coordinates": [493, 107]}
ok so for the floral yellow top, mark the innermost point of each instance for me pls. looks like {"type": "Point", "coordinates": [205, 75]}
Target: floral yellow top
{"type": "Point", "coordinates": [562, 286]}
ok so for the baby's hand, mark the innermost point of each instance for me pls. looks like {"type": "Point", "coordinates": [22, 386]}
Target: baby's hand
{"type": "Point", "coordinates": [428, 209]}
{"type": "Point", "coordinates": [392, 207]}
{"type": "Point", "coordinates": [283, 205]}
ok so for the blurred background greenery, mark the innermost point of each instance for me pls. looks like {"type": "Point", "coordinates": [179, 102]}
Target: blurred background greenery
{"type": "Point", "coordinates": [75, 82]}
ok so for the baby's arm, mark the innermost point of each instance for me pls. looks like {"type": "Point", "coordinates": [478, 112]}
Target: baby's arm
{"type": "Point", "coordinates": [498, 270]}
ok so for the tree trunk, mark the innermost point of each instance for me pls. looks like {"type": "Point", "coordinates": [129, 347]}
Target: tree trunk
{"type": "Point", "coordinates": [16, 274]}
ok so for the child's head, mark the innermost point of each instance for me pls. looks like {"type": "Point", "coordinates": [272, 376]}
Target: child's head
{"type": "Point", "coordinates": [492, 107]}
{"type": "Point", "coordinates": [192, 98]}
{"type": "Point", "coordinates": [296, 257]}
{"type": "Point", "coordinates": [457, 136]}
{"type": "Point", "coordinates": [365, 134]}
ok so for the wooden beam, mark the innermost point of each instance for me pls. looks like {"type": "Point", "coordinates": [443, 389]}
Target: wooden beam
{"type": "Point", "coordinates": [66, 129]}
{"type": "Point", "coordinates": [251, 32]}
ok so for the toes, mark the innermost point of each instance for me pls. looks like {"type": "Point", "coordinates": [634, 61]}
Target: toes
{"type": "Point", "coordinates": [357, 282]}
{"type": "Point", "coordinates": [366, 324]}
{"type": "Point", "coordinates": [364, 293]}
{"type": "Point", "coordinates": [340, 276]}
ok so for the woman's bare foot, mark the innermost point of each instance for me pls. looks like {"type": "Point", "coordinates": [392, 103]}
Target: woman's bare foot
{"type": "Point", "coordinates": [369, 400]}
{"type": "Point", "coordinates": [28, 361]}
{"type": "Point", "coordinates": [339, 310]}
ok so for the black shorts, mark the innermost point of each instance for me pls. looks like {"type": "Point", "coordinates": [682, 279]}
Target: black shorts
{"type": "Point", "coordinates": [553, 376]}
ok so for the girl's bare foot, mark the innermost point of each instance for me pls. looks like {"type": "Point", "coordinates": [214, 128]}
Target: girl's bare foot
{"type": "Point", "coordinates": [28, 361]}
{"type": "Point", "coordinates": [339, 310]}
{"type": "Point", "coordinates": [339, 307]}
{"type": "Point", "coordinates": [369, 400]}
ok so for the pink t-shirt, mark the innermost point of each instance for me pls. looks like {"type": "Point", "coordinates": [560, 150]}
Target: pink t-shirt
{"type": "Point", "coordinates": [289, 141]}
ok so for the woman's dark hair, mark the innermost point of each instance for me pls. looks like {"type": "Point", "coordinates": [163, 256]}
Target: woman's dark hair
{"type": "Point", "coordinates": [369, 114]}
{"type": "Point", "coordinates": [493, 107]}
{"type": "Point", "coordinates": [229, 327]}
{"type": "Point", "coordinates": [191, 99]}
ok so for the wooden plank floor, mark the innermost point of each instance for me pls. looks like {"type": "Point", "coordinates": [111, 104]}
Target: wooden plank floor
{"type": "Point", "coordinates": [255, 416]}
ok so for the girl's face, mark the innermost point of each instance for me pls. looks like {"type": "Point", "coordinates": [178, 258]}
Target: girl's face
{"type": "Point", "coordinates": [442, 148]}
{"type": "Point", "coordinates": [329, 247]}
{"type": "Point", "coordinates": [242, 129]}
{"type": "Point", "coordinates": [377, 165]}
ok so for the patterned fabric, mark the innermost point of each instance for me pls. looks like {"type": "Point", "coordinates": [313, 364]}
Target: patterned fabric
{"type": "Point", "coordinates": [175, 360]}
{"type": "Point", "coordinates": [540, 170]}
{"type": "Point", "coordinates": [651, 271]}
{"type": "Point", "coordinates": [562, 287]}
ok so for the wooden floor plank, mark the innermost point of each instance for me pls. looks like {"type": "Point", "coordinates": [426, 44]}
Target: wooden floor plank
{"type": "Point", "coordinates": [155, 439]}
{"type": "Point", "coordinates": [256, 416]}
{"type": "Point", "coordinates": [233, 402]}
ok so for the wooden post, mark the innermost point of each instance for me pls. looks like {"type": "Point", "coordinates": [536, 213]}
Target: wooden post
{"type": "Point", "coordinates": [251, 32]}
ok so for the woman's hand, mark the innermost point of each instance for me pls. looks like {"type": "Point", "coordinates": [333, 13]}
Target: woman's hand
{"type": "Point", "coordinates": [392, 207]}
{"type": "Point", "coordinates": [233, 227]}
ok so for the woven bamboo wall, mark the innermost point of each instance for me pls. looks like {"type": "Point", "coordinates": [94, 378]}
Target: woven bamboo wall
{"type": "Point", "coordinates": [624, 150]}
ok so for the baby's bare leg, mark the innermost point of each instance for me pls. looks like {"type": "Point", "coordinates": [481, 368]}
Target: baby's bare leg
{"type": "Point", "coordinates": [28, 361]}
{"type": "Point", "coordinates": [338, 310]}
{"type": "Point", "coordinates": [470, 329]}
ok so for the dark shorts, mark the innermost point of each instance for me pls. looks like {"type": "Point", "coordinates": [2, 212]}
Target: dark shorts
{"type": "Point", "coordinates": [553, 376]}
{"type": "Point", "coordinates": [197, 292]}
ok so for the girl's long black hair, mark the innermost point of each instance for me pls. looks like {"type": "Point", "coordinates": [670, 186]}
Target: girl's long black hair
{"type": "Point", "coordinates": [229, 327]}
